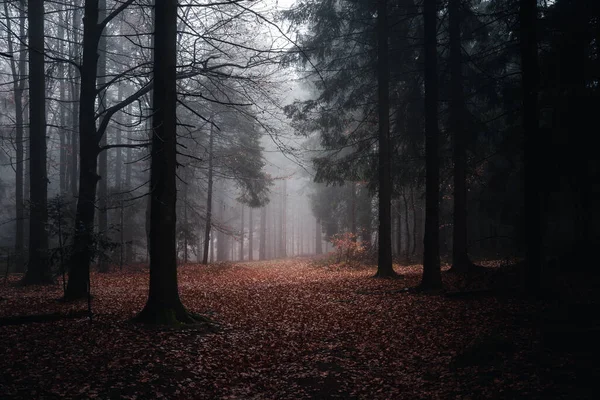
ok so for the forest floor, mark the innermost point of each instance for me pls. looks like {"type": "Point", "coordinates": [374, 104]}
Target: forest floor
{"type": "Point", "coordinates": [292, 329]}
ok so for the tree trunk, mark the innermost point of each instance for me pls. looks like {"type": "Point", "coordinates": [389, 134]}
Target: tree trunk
{"type": "Point", "coordinates": [185, 217]}
{"type": "Point", "coordinates": [262, 246]}
{"type": "Point", "coordinates": [353, 213]}
{"type": "Point", "coordinates": [282, 222]}
{"type": "Point", "coordinates": [384, 251]}
{"type": "Point", "coordinates": [18, 74]}
{"type": "Point", "coordinates": [128, 230]}
{"type": "Point", "coordinates": [38, 270]}
{"type": "Point", "coordinates": [460, 257]}
{"type": "Point", "coordinates": [250, 236]}
{"type": "Point", "coordinates": [118, 141]}
{"type": "Point", "coordinates": [83, 240]}
{"type": "Point", "coordinates": [532, 190]}
{"type": "Point", "coordinates": [103, 156]}
{"type": "Point", "coordinates": [406, 226]}
{"type": "Point", "coordinates": [318, 239]}
{"type": "Point", "coordinates": [62, 133]}
{"type": "Point", "coordinates": [221, 240]}
{"type": "Point", "coordinates": [432, 279]}
{"type": "Point", "coordinates": [399, 230]}
{"type": "Point", "coordinates": [415, 219]}
{"type": "Point", "coordinates": [209, 195]}
{"type": "Point", "coordinates": [242, 236]}
{"type": "Point", "coordinates": [164, 305]}
{"type": "Point", "coordinates": [75, 104]}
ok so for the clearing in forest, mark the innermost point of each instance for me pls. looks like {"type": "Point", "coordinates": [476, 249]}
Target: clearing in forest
{"type": "Point", "coordinates": [289, 330]}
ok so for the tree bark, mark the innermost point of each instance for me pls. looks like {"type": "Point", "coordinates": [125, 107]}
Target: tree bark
{"type": "Point", "coordinates": [431, 279]}
{"type": "Point", "coordinates": [318, 239]}
{"type": "Point", "coordinates": [398, 230]}
{"type": "Point", "coordinates": [38, 269]}
{"type": "Point", "coordinates": [221, 240]}
{"type": "Point", "coordinates": [282, 222]}
{"type": "Point", "coordinates": [262, 247]}
{"type": "Point", "coordinates": [103, 156]}
{"type": "Point", "coordinates": [384, 252]}
{"type": "Point", "coordinates": [250, 235]}
{"type": "Point", "coordinates": [79, 263]}
{"type": "Point", "coordinates": [209, 195]}
{"type": "Point", "coordinates": [242, 236]}
{"type": "Point", "coordinates": [128, 230]}
{"type": "Point", "coordinates": [415, 219]}
{"type": "Point", "coordinates": [460, 256]}
{"type": "Point", "coordinates": [18, 70]}
{"type": "Point", "coordinates": [406, 226]}
{"type": "Point", "coordinates": [164, 305]}
{"type": "Point", "coordinates": [532, 190]}
{"type": "Point", "coordinates": [62, 133]}
{"type": "Point", "coordinates": [75, 104]}
{"type": "Point", "coordinates": [353, 212]}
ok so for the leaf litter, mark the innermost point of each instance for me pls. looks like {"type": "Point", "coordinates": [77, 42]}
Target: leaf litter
{"type": "Point", "coordinates": [289, 330]}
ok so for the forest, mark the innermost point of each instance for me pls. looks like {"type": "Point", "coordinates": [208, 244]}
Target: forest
{"type": "Point", "coordinates": [299, 199]}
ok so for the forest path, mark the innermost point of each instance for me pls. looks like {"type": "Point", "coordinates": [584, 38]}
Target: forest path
{"type": "Point", "coordinates": [291, 330]}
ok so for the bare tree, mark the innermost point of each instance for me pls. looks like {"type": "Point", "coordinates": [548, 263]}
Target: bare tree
{"type": "Point", "coordinates": [18, 70]}
{"type": "Point", "coordinates": [384, 258]}
{"type": "Point", "coordinates": [38, 270]}
{"type": "Point", "coordinates": [432, 279]}
{"type": "Point", "coordinates": [164, 305]}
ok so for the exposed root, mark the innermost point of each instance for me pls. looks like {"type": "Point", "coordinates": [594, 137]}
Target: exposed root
{"type": "Point", "coordinates": [175, 318]}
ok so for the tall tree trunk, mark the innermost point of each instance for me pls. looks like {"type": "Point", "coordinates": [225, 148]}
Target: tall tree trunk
{"type": "Point", "coordinates": [18, 74]}
{"type": "Point", "coordinates": [532, 201]}
{"type": "Point", "coordinates": [384, 248]}
{"type": "Point", "coordinates": [62, 133]}
{"type": "Point", "coordinates": [103, 156]}
{"type": "Point", "coordinates": [118, 141]}
{"type": "Point", "coordinates": [415, 223]}
{"type": "Point", "coordinates": [242, 236]}
{"type": "Point", "coordinates": [406, 226]}
{"type": "Point", "coordinates": [164, 305]}
{"type": "Point", "coordinates": [38, 269]}
{"type": "Point", "coordinates": [207, 238]}
{"type": "Point", "coordinates": [250, 235]}
{"type": "Point", "coordinates": [318, 239]}
{"type": "Point", "coordinates": [353, 213]}
{"type": "Point", "coordinates": [274, 233]}
{"type": "Point", "coordinates": [398, 229]}
{"type": "Point", "coordinates": [432, 279]}
{"type": "Point", "coordinates": [79, 263]}
{"type": "Point", "coordinates": [282, 222]}
{"type": "Point", "coordinates": [460, 257]}
{"type": "Point", "coordinates": [185, 217]}
{"type": "Point", "coordinates": [262, 246]}
{"type": "Point", "coordinates": [128, 230]}
{"type": "Point", "coordinates": [75, 104]}
{"type": "Point", "coordinates": [221, 240]}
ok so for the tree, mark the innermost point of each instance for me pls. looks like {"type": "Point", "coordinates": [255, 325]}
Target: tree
{"type": "Point", "coordinates": [207, 238]}
{"type": "Point", "coordinates": [250, 235]}
{"type": "Point", "coordinates": [460, 257]}
{"type": "Point", "coordinates": [103, 156]}
{"type": "Point", "coordinates": [164, 305]}
{"type": "Point", "coordinates": [262, 246]}
{"type": "Point", "coordinates": [18, 70]}
{"type": "Point", "coordinates": [533, 207]}
{"type": "Point", "coordinates": [90, 136]}
{"type": "Point", "coordinates": [384, 258]}
{"type": "Point", "coordinates": [432, 279]}
{"type": "Point", "coordinates": [38, 270]}
{"type": "Point", "coordinates": [318, 238]}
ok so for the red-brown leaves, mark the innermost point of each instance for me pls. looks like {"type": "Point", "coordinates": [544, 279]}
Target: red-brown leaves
{"type": "Point", "coordinates": [290, 331]}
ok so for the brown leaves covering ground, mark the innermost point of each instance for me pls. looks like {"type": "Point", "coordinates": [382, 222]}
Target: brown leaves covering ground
{"type": "Point", "coordinates": [290, 330]}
